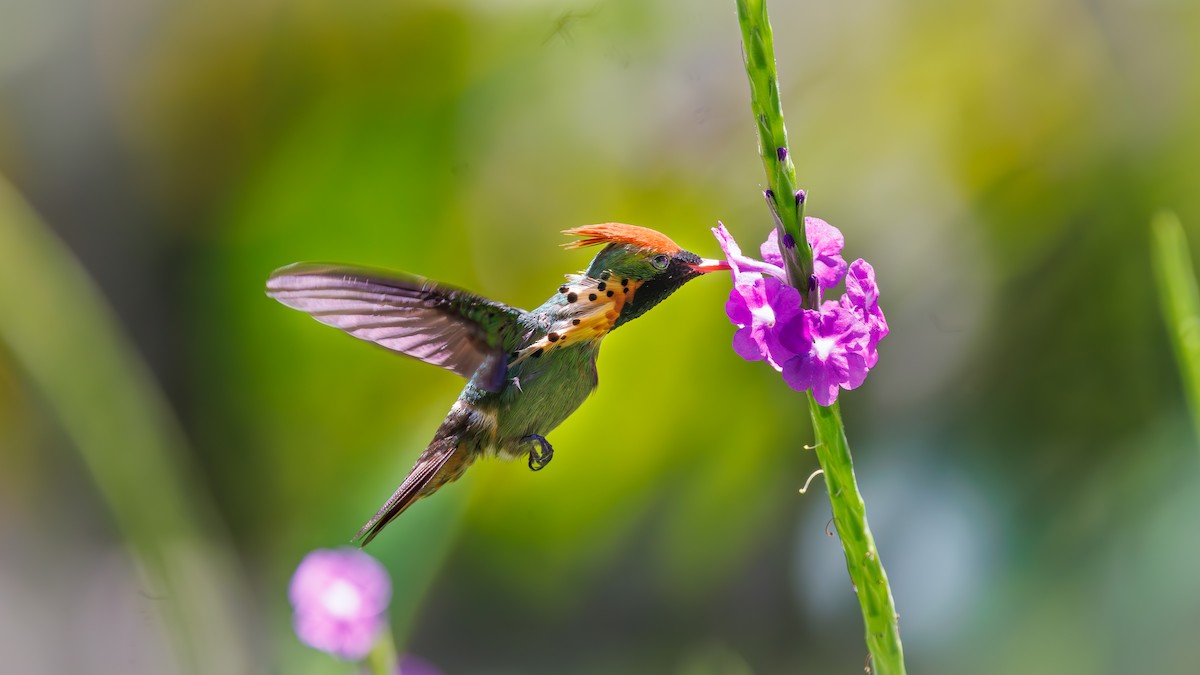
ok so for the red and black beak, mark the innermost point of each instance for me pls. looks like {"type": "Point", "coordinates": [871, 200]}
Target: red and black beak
{"type": "Point", "coordinates": [707, 265]}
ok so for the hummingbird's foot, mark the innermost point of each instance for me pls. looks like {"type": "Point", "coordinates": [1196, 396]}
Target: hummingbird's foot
{"type": "Point", "coordinates": [540, 452]}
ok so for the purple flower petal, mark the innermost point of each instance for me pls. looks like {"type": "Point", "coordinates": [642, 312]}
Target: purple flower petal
{"type": "Point", "coordinates": [826, 242]}
{"type": "Point", "coordinates": [737, 307]}
{"type": "Point", "coordinates": [862, 298]}
{"type": "Point", "coordinates": [856, 368]}
{"type": "Point", "coordinates": [861, 287]}
{"type": "Point", "coordinates": [339, 597]}
{"type": "Point", "coordinates": [834, 359]}
{"type": "Point", "coordinates": [347, 640]}
{"type": "Point", "coordinates": [740, 264]}
{"type": "Point", "coordinates": [746, 345]}
{"type": "Point", "coordinates": [770, 249]}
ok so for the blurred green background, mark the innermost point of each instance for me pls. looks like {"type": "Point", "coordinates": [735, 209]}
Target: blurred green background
{"type": "Point", "coordinates": [1023, 445]}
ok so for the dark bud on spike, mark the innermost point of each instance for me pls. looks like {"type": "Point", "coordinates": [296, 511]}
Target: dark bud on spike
{"type": "Point", "coordinates": [572, 297]}
{"type": "Point", "coordinates": [769, 194]}
{"type": "Point", "coordinates": [789, 242]}
{"type": "Point", "coordinates": [781, 153]}
{"type": "Point", "coordinates": [800, 197]}
{"type": "Point", "coordinates": [812, 283]}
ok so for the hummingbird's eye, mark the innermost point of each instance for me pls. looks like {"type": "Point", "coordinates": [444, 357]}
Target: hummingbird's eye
{"type": "Point", "coordinates": [661, 261]}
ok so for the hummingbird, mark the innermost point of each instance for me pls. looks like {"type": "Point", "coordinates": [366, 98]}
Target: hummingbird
{"type": "Point", "coordinates": [526, 371]}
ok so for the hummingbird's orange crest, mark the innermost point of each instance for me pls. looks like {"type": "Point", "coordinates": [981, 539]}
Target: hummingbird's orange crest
{"type": "Point", "coordinates": [620, 233]}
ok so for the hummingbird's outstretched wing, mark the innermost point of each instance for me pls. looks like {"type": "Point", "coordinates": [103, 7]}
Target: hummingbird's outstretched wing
{"type": "Point", "coordinates": [437, 324]}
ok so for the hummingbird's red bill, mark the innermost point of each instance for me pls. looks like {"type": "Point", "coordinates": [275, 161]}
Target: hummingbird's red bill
{"type": "Point", "coordinates": [707, 265]}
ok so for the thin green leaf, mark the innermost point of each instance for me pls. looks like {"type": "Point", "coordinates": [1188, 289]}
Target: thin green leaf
{"type": "Point", "coordinates": [63, 334]}
{"type": "Point", "coordinates": [1180, 298]}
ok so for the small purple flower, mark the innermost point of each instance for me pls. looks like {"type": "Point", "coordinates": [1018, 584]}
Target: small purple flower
{"type": "Point", "coordinates": [757, 304]}
{"type": "Point", "coordinates": [757, 308]}
{"type": "Point", "coordinates": [339, 597]}
{"type": "Point", "coordinates": [413, 665]}
{"type": "Point", "coordinates": [829, 352]}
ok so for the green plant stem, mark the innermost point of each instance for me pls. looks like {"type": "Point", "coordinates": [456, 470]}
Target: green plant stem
{"type": "Point", "coordinates": [833, 452]}
{"type": "Point", "coordinates": [788, 208]}
{"type": "Point", "coordinates": [1180, 301]}
{"type": "Point", "coordinates": [862, 558]}
{"type": "Point", "coordinates": [382, 658]}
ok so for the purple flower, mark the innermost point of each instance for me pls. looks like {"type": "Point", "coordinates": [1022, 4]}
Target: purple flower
{"type": "Point", "coordinates": [339, 597]}
{"type": "Point", "coordinates": [826, 349]}
{"type": "Point", "coordinates": [756, 308]}
{"type": "Point", "coordinates": [757, 304]}
{"type": "Point", "coordinates": [412, 665]}
{"type": "Point", "coordinates": [829, 348]}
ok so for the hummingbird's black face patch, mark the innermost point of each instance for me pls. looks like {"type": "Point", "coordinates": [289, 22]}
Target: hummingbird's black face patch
{"type": "Point", "coordinates": [677, 272]}
{"type": "Point", "coordinates": [687, 258]}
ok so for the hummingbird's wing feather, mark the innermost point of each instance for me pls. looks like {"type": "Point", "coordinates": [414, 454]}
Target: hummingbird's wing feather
{"type": "Point", "coordinates": [437, 324]}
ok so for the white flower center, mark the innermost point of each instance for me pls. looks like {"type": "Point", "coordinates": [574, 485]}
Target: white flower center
{"type": "Point", "coordinates": [342, 599]}
{"type": "Point", "coordinates": [822, 347]}
{"type": "Point", "coordinates": [764, 314]}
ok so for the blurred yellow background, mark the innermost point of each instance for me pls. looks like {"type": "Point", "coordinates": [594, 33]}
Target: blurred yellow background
{"type": "Point", "coordinates": [1022, 446]}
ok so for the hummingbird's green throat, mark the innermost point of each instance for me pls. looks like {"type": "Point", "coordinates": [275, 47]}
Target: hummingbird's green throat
{"type": "Point", "coordinates": [526, 371]}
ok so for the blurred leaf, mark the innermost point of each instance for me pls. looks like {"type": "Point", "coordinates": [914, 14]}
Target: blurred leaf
{"type": "Point", "coordinates": [1180, 300]}
{"type": "Point", "coordinates": [63, 334]}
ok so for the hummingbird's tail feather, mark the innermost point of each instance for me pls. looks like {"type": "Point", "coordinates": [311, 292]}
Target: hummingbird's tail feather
{"type": "Point", "coordinates": [443, 461]}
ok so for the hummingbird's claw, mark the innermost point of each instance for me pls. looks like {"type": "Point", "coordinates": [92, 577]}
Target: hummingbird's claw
{"type": "Point", "coordinates": [540, 453]}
